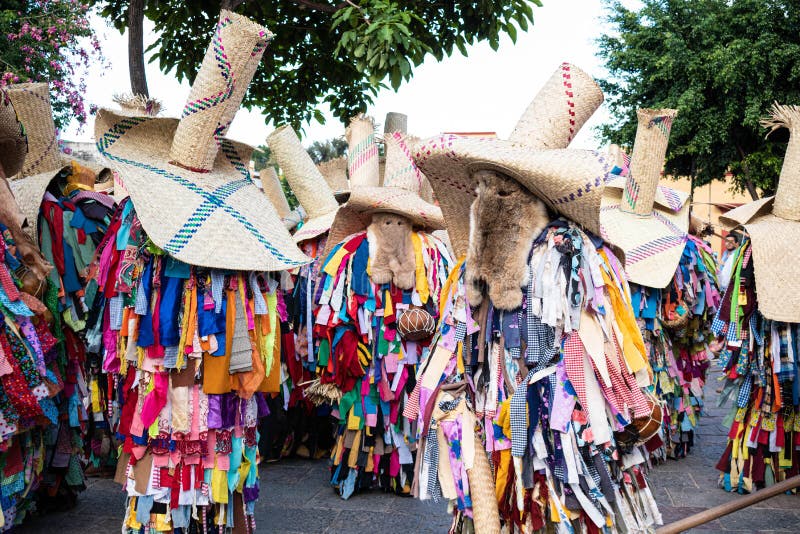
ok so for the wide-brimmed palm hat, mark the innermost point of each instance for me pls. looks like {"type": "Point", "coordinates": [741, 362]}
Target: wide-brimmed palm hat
{"type": "Point", "coordinates": [568, 181]}
{"type": "Point", "coordinates": [648, 222]}
{"type": "Point", "coordinates": [192, 187]}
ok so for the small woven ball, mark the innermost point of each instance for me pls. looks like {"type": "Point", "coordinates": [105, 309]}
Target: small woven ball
{"type": "Point", "coordinates": [416, 324]}
{"type": "Point", "coordinates": [650, 425]}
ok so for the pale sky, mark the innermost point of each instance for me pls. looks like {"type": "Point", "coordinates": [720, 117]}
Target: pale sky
{"type": "Point", "coordinates": [486, 91]}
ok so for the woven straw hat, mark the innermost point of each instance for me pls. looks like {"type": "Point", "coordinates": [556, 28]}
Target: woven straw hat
{"type": "Point", "coordinates": [397, 122]}
{"type": "Point", "coordinates": [44, 161]}
{"type": "Point", "coordinates": [271, 185]}
{"type": "Point", "coordinates": [191, 187]}
{"type": "Point", "coordinates": [399, 195]}
{"type": "Point", "coordinates": [648, 222]}
{"type": "Point", "coordinates": [13, 142]}
{"type": "Point", "coordinates": [308, 185]}
{"type": "Point", "coordinates": [774, 227]}
{"type": "Point", "coordinates": [362, 153]}
{"type": "Point", "coordinates": [568, 181]}
{"type": "Point", "coordinates": [335, 173]}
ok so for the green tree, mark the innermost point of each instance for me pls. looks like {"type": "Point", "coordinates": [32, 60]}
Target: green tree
{"type": "Point", "coordinates": [49, 41]}
{"type": "Point", "coordinates": [338, 53]}
{"type": "Point", "coordinates": [721, 63]}
{"type": "Point", "coordinates": [321, 151]}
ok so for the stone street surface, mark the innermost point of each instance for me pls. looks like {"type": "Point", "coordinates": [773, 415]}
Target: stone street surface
{"type": "Point", "coordinates": [295, 497]}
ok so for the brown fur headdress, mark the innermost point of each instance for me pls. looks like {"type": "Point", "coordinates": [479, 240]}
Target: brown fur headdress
{"type": "Point", "coordinates": [504, 221]}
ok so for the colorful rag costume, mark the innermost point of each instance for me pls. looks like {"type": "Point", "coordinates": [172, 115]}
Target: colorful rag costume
{"type": "Point", "coordinates": [549, 384]}
{"type": "Point", "coordinates": [537, 364]}
{"type": "Point", "coordinates": [190, 326]}
{"type": "Point", "coordinates": [676, 325]}
{"type": "Point", "coordinates": [373, 369]}
{"type": "Point", "coordinates": [41, 392]}
{"type": "Point", "coordinates": [759, 323]}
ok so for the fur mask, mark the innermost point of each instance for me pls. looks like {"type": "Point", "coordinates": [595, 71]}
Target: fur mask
{"type": "Point", "coordinates": [393, 259]}
{"type": "Point", "coordinates": [504, 221]}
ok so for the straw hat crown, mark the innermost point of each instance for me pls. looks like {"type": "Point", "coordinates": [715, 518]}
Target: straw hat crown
{"type": "Point", "coordinates": [568, 181]}
{"type": "Point", "coordinates": [13, 141]}
{"type": "Point", "coordinates": [773, 224]}
{"type": "Point", "coordinates": [32, 103]}
{"type": "Point", "coordinates": [335, 173]}
{"type": "Point", "coordinates": [191, 187]}
{"type": "Point", "coordinates": [362, 152]}
{"type": "Point", "coordinates": [634, 199]}
{"type": "Point", "coordinates": [307, 183]}
{"type": "Point", "coordinates": [271, 185]}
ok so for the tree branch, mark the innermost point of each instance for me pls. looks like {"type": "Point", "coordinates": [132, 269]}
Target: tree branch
{"type": "Point", "coordinates": [316, 6]}
{"type": "Point", "coordinates": [230, 5]}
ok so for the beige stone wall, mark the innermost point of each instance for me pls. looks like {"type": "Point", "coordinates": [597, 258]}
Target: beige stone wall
{"type": "Point", "coordinates": [705, 198]}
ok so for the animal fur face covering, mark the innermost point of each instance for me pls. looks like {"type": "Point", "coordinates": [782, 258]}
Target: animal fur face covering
{"type": "Point", "coordinates": [504, 221]}
{"type": "Point", "coordinates": [391, 250]}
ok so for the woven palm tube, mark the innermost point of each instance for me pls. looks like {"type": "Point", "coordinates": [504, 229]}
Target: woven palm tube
{"type": "Point", "coordinates": [400, 169]}
{"type": "Point", "coordinates": [218, 90]}
{"type": "Point", "coordinates": [485, 513]}
{"type": "Point", "coordinates": [560, 109]}
{"type": "Point", "coordinates": [271, 185]}
{"type": "Point", "coordinates": [395, 122]}
{"type": "Point", "coordinates": [647, 159]}
{"type": "Point", "coordinates": [787, 196]}
{"type": "Point", "coordinates": [32, 104]}
{"type": "Point", "coordinates": [308, 185]}
{"type": "Point", "coordinates": [335, 173]}
{"type": "Point", "coordinates": [12, 137]}
{"type": "Point", "coordinates": [362, 152]}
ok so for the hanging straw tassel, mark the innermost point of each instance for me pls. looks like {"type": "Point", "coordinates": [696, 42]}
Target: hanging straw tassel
{"type": "Point", "coordinates": [787, 196]}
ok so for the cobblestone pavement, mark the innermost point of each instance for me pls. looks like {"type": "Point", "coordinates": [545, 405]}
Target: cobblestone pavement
{"type": "Point", "coordinates": [295, 497]}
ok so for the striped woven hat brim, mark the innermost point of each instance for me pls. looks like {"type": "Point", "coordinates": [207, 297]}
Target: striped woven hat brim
{"type": "Point", "coordinates": [569, 181]}
{"type": "Point", "coordinates": [216, 219]}
{"type": "Point", "coordinates": [651, 244]}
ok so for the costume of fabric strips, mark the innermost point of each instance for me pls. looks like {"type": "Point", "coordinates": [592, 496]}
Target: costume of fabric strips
{"type": "Point", "coordinates": [544, 390]}
{"type": "Point", "coordinates": [190, 353]}
{"type": "Point", "coordinates": [362, 360]}
{"type": "Point", "coordinates": [760, 365]}
{"type": "Point", "coordinates": [41, 387]}
{"type": "Point", "coordinates": [73, 220]}
{"type": "Point", "coordinates": [676, 326]}
{"type": "Point", "coordinates": [298, 424]}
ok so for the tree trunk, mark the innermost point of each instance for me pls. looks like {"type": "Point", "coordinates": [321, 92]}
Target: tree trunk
{"type": "Point", "coordinates": [136, 48]}
{"type": "Point", "coordinates": [748, 183]}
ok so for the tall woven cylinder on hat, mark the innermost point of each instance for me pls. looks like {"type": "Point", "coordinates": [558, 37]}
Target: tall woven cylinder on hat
{"type": "Point", "coordinates": [362, 152]}
{"type": "Point", "coordinates": [395, 122]}
{"type": "Point", "coordinates": [13, 142]}
{"type": "Point", "coordinates": [561, 108]}
{"type": "Point", "coordinates": [308, 185]}
{"type": "Point", "coordinates": [218, 90]}
{"type": "Point", "coordinates": [32, 104]}
{"type": "Point", "coordinates": [271, 185]}
{"type": "Point", "coordinates": [335, 173]}
{"type": "Point", "coordinates": [787, 196]}
{"type": "Point", "coordinates": [401, 172]}
{"type": "Point", "coordinates": [647, 160]}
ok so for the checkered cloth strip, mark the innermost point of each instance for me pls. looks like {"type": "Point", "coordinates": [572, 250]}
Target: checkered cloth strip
{"type": "Point", "coordinates": [431, 458]}
{"type": "Point", "coordinates": [519, 418]}
{"type": "Point", "coordinates": [541, 350]}
{"type": "Point", "coordinates": [744, 392]}
{"type": "Point", "coordinates": [573, 364]}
